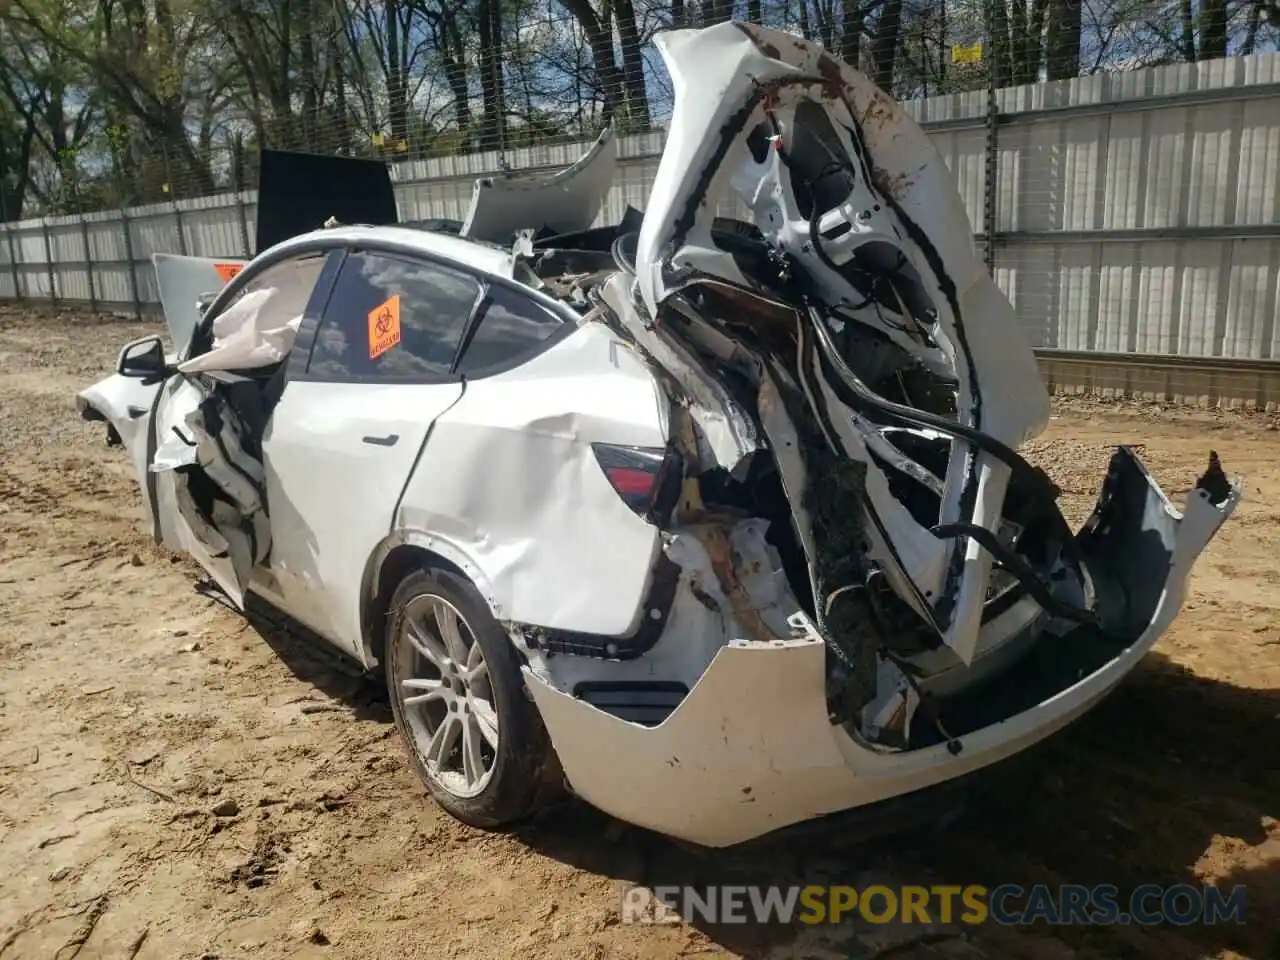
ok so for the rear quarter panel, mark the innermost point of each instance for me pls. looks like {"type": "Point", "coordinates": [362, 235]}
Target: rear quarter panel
{"type": "Point", "coordinates": [509, 481]}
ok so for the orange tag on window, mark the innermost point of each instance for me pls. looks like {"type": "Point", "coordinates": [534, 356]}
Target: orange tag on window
{"type": "Point", "coordinates": [384, 327]}
{"type": "Point", "coordinates": [227, 271]}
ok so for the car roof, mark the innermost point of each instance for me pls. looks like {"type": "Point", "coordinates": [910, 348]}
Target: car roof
{"type": "Point", "coordinates": [481, 257]}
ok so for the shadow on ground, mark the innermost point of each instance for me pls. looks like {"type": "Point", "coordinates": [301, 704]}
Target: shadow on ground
{"type": "Point", "coordinates": [1143, 790]}
{"type": "Point", "coordinates": [317, 663]}
{"type": "Point", "coordinates": [1168, 772]}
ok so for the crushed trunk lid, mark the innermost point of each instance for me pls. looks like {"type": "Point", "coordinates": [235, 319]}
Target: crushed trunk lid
{"type": "Point", "coordinates": [843, 187]}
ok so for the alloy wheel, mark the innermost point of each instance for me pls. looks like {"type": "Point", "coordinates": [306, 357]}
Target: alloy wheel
{"type": "Point", "coordinates": [442, 681]}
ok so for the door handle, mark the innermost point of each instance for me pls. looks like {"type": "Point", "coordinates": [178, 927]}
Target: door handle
{"type": "Point", "coordinates": [388, 441]}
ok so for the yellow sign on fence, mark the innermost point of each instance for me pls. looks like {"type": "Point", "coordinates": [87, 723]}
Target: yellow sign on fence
{"type": "Point", "coordinates": [389, 143]}
{"type": "Point", "coordinates": [969, 54]}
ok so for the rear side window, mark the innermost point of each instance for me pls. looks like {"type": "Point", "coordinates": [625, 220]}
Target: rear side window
{"type": "Point", "coordinates": [392, 319]}
{"type": "Point", "coordinates": [511, 328]}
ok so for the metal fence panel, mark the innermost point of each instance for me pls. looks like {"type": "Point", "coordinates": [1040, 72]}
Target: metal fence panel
{"type": "Point", "coordinates": [1134, 212]}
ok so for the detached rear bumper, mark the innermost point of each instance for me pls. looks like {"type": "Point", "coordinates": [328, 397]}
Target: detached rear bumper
{"type": "Point", "coordinates": [751, 748]}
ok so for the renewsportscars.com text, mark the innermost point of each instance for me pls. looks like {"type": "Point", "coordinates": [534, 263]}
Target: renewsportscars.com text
{"type": "Point", "coordinates": [1008, 904]}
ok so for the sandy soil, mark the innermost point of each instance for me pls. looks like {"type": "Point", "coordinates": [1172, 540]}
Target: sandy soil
{"type": "Point", "coordinates": [176, 781]}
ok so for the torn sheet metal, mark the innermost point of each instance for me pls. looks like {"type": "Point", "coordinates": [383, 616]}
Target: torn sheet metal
{"type": "Point", "coordinates": [726, 436]}
{"type": "Point", "coordinates": [566, 202]}
{"type": "Point", "coordinates": [562, 520]}
{"type": "Point", "coordinates": [702, 618]}
{"type": "Point", "coordinates": [874, 184]}
{"type": "Point", "coordinates": [751, 748]}
{"type": "Point", "coordinates": [217, 453]}
{"type": "Point", "coordinates": [907, 196]}
{"type": "Point", "coordinates": [217, 488]}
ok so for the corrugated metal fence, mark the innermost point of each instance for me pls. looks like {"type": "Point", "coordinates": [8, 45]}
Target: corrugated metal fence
{"type": "Point", "coordinates": [1134, 213]}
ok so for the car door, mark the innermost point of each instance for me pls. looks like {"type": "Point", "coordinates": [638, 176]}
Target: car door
{"type": "Point", "coordinates": [204, 471]}
{"type": "Point", "coordinates": [349, 427]}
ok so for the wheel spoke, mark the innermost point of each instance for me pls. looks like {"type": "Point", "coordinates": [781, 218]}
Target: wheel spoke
{"type": "Point", "coordinates": [443, 740]}
{"type": "Point", "coordinates": [486, 720]}
{"type": "Point", "coordinates": [447, 621]}
{"type": "Point", "coordinates": [434, 690]}
{"type": "Point", "coordinates": [428, 646]}
{"type": "Point", "coordinates": [472, 761]}
{"type": "Point", "coordinates": [478, 673]}
{"type": "Point", "coordinates": [459, 751]}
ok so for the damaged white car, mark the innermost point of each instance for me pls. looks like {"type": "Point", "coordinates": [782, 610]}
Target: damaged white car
{"type": "Point", "coordinates": [718, 523]}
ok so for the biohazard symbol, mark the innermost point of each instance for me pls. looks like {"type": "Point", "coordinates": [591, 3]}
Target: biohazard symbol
{"type": "Point", "coordinates": [227, 271]}
{"type": "Point", "coordinates": [384, 327]}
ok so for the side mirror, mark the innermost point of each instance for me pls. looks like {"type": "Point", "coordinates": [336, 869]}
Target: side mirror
{"type": "Point", "coordinates": [143, 359]}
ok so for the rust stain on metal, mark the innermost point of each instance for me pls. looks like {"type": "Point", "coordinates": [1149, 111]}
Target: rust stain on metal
{"type": "Point", "coordinates": [690, 509]}
{"type": "Point", "coordinates": [703, 597]}
{"type": "Point", "coordinates": [833, 84]}
{"type": "Point", "coordinates": [720, 550]}
{"type": "Point", "coordinates": [891, 185]}
{"type": "Point", "coordinates": [880, 112]}
{"type": "Point", "coordinates": [763, 45]}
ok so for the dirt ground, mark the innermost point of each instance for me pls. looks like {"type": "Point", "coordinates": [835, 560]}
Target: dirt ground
{"type": "Point", "coordinates": [176, 781]}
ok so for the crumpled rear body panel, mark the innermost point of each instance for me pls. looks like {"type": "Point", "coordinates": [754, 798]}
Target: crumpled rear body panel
{"type": "Point", "coordinates": [908, 193]}
{"type": "Point", "coordinates": [751, 749]}
{"type": "Point", "coordinates": [898, 197]}
{"type": "Point", "coordinates": [508, 484]}
{"type": "Point", "coordinates": [789, 700]}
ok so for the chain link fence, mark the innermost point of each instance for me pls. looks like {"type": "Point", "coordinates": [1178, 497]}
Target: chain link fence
{"type": "Point", "coordinates": [108, 114]}
{"type": "Point", "coordinates": [1120, 159]}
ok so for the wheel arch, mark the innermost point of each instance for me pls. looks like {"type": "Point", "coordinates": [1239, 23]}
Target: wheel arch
{"type": "Point", "coordinates": [397, 557]}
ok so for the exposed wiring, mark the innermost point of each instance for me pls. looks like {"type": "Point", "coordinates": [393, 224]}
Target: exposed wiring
{"type": "Point", "coordinates": [926, 699]}
{"type": "Point", "coordinates": [859, 396]}
{"type": "Point", "coordinates": [1019, 569]}
{"type": "Point", "coordinates": [1006, 557]}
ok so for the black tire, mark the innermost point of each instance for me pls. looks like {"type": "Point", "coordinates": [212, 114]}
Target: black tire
{"type": "Point", "coordinates": [522, 756]}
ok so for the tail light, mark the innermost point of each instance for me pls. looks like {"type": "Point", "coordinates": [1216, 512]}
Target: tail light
{"type": "Point", "coordinates": [641, 476]}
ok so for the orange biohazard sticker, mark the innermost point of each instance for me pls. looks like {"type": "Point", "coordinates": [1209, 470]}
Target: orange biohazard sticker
{"type": "Point", "coordinates": [384, 327]}
{"type": "Point", "coordinates": [227, 271]}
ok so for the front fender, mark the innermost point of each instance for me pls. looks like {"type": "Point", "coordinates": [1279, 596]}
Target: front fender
{"type": "Point", "coordinates": [126, 404]}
